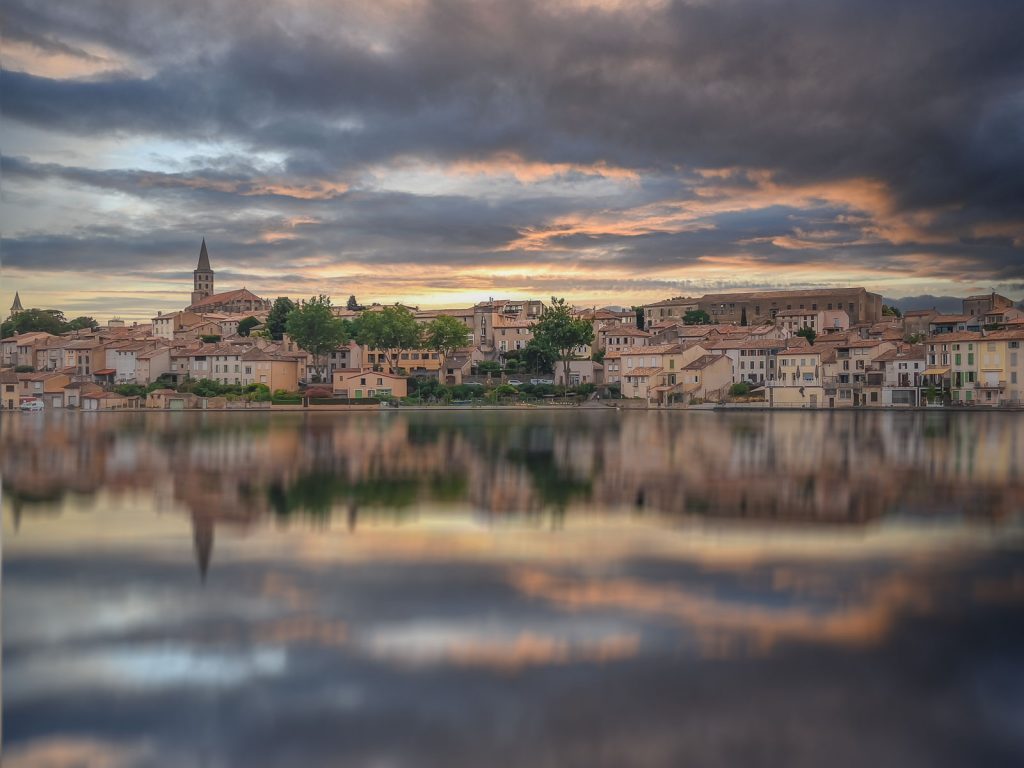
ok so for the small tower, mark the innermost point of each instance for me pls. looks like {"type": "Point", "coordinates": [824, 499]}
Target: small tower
{"type": "Point", "coordinates": [16, 307]}
{"type": "Point", "coordinates": [202, 276]}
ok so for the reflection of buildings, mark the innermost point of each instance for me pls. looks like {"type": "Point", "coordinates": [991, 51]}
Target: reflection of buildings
{"type": "Point", "coordinates": [231, 469]}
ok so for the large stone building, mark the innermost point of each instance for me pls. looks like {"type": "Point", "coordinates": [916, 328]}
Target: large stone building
{"type": "Point", "coordinates": [981, 305]}
{"type": "Point", "coordinates": [757, 307]}
{"type": "Point", "coordinates": [232, 302]}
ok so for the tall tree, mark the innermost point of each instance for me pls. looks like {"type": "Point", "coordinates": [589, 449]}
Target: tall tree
{"type": "Point", "coordinates": [696, 317]}
{"type": "Point", "coordinates": [278, 317]}
{"type": "Point", "coordinates": [445, 334]}
{"type": "Point", "coordinates": [391, 331]}
{"type": "Point", "coordinates": [558, 330]}
{"type": "Point", "coordinates": [316, 330]}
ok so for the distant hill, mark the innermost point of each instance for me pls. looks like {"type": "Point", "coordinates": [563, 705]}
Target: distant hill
{"type": "Point", "coordinates": [950, 305]}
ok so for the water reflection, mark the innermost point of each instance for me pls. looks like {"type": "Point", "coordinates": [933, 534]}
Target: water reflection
{"type": "Point", "coordinates": [494, 588]}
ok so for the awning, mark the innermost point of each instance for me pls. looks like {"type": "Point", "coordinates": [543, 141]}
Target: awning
{"type": "Point", "coordinates": [105, 372]}
{"type": "Point", "coordinates": [935, 372]}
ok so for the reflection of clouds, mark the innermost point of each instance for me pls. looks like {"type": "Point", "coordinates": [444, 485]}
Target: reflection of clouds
{"type": "Point", "coordinates": [496, 645]}
{"type": "Point", "coordinates": [67, 752]}
{"type": "Point", "coordinates": [53, 614]}
{"type": "Point", "coordinates": [138, 668]}
{"type": "Point", "coordinates": [855, 616]}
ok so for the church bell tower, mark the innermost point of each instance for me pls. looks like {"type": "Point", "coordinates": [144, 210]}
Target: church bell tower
{"type": "Point", "coordinates": [202, 276]}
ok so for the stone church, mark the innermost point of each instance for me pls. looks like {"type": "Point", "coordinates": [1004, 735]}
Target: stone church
{"type": "Point", "coordinates": [205, 300]}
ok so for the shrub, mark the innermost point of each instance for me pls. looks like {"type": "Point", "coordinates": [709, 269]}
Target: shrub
{"type": "Point", "coordinates": [740, 389]}
{"type": "Point", "coordinates": [131, 390]}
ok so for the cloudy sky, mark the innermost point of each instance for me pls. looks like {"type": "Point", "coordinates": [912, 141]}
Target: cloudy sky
{"type": "Point", "coordinates": [439, 152]}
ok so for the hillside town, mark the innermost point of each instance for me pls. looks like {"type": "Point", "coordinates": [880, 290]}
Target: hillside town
{"type": "Point", "coordinates": [819, 348]}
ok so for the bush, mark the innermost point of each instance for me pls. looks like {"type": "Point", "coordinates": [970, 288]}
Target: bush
{"type": "Point", "coordinates": [488, 367]}
{"type": "Point", "coordinates": [464, 392]}
{"type": "Point", "coordinates": [131, 390]}
{"type": "Point", "coordinates": [505, 390]}
{"type": "Point", "coordinates": [740, 389]}
{"type": "Point", "coordinates": [160, 383]}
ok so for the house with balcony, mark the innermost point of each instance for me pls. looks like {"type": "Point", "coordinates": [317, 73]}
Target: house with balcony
{"type": "Point", "coordinates": [855, 380]}
{"type": "Point", "coordinates": [752, 360]}
{"type": "Point", "coordinates": [1009, 356]}
{"type": "Point", "coordinates": [645, 368]}
{"type": "Point", "coordinates": [801, 381]}
{"type": "Point", "coordinates": [902, 371]}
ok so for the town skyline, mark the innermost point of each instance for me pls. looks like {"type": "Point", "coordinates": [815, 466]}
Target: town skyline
{"type": "Point", "coordinates": [438, 153]}
{"type": "Point", "coordinates": [918, 302]}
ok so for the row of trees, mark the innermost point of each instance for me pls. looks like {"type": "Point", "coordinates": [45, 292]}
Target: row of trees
{"type": "Point", "coordinates": [392, 330]}
{"type": "Point", "coordinates": [44, 321]}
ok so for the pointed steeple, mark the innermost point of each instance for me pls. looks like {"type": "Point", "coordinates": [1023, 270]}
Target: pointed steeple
{"type": "Point", "coordinates": [204, 258]}
{"type": "Point", "coordinates": [16, 306]}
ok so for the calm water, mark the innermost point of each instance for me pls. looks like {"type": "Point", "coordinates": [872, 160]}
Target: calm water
{"type": "Point", "coordinates": [571, 588]}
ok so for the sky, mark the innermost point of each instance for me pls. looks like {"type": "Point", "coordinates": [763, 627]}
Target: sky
{"type": "Point", "coordinates": [440, 152]}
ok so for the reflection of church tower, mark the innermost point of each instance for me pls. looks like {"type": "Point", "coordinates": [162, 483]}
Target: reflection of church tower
{"type": "Point", "coordinates": [202, 276]}
{"type": "Point", "coordinates": [202, 538]}
{"type": "Point", "coordinates": [16, 307]}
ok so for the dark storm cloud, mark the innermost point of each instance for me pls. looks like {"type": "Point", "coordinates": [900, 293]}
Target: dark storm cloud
{"type": "Point", "coordinates": [926, 97]}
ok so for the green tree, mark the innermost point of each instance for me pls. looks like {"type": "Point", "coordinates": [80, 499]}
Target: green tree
{"type": "Point", "coordinates": [739, 389]}
{"type": "Point", "coordinates": [538, 357]}
{"type": "Point", "coordinates": [246, 325]}
{"type": "Point", "coordinates": [445, 334]}
{"type": "Point", "coordinates": [316, 330]}
{"type": "Point", "coordinates": [278, 317]}
{"type": "Point", "coordinates": [392, 330]}
{"type": "Point", "coordinates": [488, 367]}
{"type": "Point", "coordinates": [36, 321]}
{"type": "Point", "coordinates": [131, 390]}
{"type": "Point", "coordinates": [696, 317]}
{"type": "Point", "coordinates": [557, 330]}
{"type": "Point", "coordinates": [82, 323]}
{"type": "Point", "coordinates": [808, 333]}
